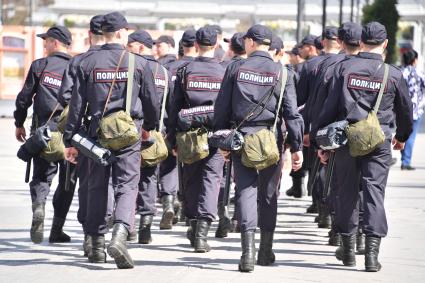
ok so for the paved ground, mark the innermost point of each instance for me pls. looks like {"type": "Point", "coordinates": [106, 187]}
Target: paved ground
{"type": "Point", "coordinates": [301, 250]}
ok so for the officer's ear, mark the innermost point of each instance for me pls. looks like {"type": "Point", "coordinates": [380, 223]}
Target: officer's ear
{"type": "Point", "coordinates": [384, 44]}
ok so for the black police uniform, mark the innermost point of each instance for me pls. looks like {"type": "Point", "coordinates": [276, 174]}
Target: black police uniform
{"type": "Point", "coordinates": [352, 94]}
{"type": "Point", "coordinates": [41, 88]}
{"type": "Point", "coordinates": [166, 60]}
{"type": "Point", "coordinates": [243, 86]}
{"type": "Point", "coordinates": [198, 85]}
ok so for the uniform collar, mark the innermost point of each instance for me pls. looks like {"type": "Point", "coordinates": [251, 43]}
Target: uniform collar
{"type": "Point", "coordinates": [205, 59]}
{"type": "Point", "coordinates": [112, 46]}
{"type": "Point", "coordinates": [149, 57]}
{"type": "Point", "coordinates": [187, 58]}
{"type": "Point", "coordinates": [95, 47]}
{"type": "Point", "coordinates": [261, 54]}
{"type": "Point", "coordinates": [368, 55]}
{"type": "Point", "coordinates": [60, 54]}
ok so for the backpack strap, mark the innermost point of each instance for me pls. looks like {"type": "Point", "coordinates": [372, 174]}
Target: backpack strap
{"type": "Point", "coordinates": [164, 99]}
{"type": "Point", "coordinates": [382, 89]}
{"type": "Point", "coordinates": [282, 89]}
{"type": "Point", "coordinates": [131, 59]}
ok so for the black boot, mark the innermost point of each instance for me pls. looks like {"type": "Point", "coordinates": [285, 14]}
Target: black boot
{"type": "Point", "coordinates": [324, 217]}
{"type": "Point", "coordinates": [312, 208]}
{"type": "Point", "coordinates": [346, 252]}
{"type": "Point", "coordinates": [96, 251]}
{"type": "Point", "coordinates": [371, 256]}
{"type": "Point", "coordinates": [37, 225]}
{"type": "Point", "coordinates": [145, 229]}
{"type": "Point", "coordinates": [201, 235]}
{"type": "Point", "coordinates": [224, 224]}
{"type": "Point", "coordinates": [190, 233]}
{"type": "Point", "coordinates": [236, 227]}
{"type": "Point", "coordinates": [334, 238]}
{"type": "Point", "coordinates": [247, 261]}
{"type": "Point", "coordinates": [118, 247]}
{"type": "Point", "coordinates": [298, 187]}
{"type": "Point", "coordinates": [177, 210]}
{"type": "Point", "coordinates": [265, 253]}
{"type": "Point", "coordinates": [56, 233]}
{"type": "Point", "coordinates": [87, 244]}
{"type": "Point", "coordinates": [360, 242]}
{"type": "Point", "coordinates": [168, 212]}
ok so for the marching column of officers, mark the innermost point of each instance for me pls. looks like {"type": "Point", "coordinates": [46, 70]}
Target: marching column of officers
{"type": "Point", "coordinates": [329, 78]}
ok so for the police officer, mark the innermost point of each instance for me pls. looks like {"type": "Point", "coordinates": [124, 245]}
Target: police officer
{"type": "Point", "coordinates": [349, 36]}
{"type": "Point", "coordinates": [201, 179]}
{"type": "Point", "coordinates": [237, 95]}
{"type": "Point", "coordinates": [165, 45]}
{"type": "Point", "coordinates": [169, 185]}
{"type": "Point", "coordinates": [96, 40]}
{"type": "Point", "coordinates": [95, 76]}
{"type": "Point", "coordinates": [41, 87]}
{"type": "Point", "coordinates": [218, 50]}
{"type": "Point", "coordinates": [140, 42]}
{"type": "Point", "coordinates": [225, 225]}
{"type": "Point", "coordinates": [295, 59]}
{"type": "Point", "coordinates": [351, 96]}
{"type": "Point", "coordinates": [276, 48]}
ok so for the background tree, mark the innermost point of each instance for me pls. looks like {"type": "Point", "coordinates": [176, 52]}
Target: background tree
{"type": "Point", "coordinates": [385, 12]}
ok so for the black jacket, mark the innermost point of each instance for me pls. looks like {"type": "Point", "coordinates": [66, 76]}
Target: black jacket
{"type": "Point", "coordinates": [42, 85]}
{"type": "Point", "coordinates": [353, 91]}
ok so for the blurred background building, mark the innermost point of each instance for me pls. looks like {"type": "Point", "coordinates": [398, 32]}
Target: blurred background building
{"type": "Point", "coordinates": [290, 19]}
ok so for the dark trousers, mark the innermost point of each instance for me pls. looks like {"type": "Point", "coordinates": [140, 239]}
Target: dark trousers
{"type": "Point", "coordinates": [125, 173]}
{"type": "Point", "coordinates": [83, 175]}
{"type": "Point", "coordinates": [168, 182]}
{"type": "Point", "coordinates": [43, 174]}
{"type": "Point", "coordinates": [371, 173]}
{"type": "Point", "coordinates": [249, 182]}
{"type": "Point", "coordinates": [148, 189]}
{"type": "Point", "coordinates": [202, 185]}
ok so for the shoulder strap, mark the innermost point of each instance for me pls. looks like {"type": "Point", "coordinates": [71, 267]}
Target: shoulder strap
{"type": "Point", "coordinates": [130, 77]}
{"type": "Point", "coordinates": [164, 99]}
{"type": "Point", "coordinates": [261, 103]}
{"type": "Point", "coordinates": [381, 90]}
{"type": "Point", "coordinates": [282, 89]}
{"type": "Point", "coordinates": [113, 83]}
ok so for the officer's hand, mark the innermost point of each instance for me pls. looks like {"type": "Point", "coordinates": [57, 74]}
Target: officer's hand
{"type": "Point", "coordinates": [323, 155]}
{"type": "Point", "coordinates": [397, 145]}
{"type": "Point", "coordinates": [225, 154]}
{"type": "Point", "coordinates": [297, 160]}
{"type": "Point", "coordinates": [20, 134]}
{"type": "Point", "coordinates": [174, 152]}
{"type": "Point", "coordinates": [306, 140]}
{"type": "Point", "coordinates": [145, 135]}
{"type": "Point", "coordinates": [71, 154]}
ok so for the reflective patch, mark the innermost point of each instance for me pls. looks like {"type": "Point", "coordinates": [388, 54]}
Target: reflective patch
{"type": "Point", "coordinates": [256, 78]}
{"type": "Point", "coordinates": [51, 80]}
{"type": "Point", "coordinates": [160, 82]}
{"type": "Point", "coordinates": [363, 83]}
{"type": "Point", "coordinates": [203, 83]}
{"type": "Point", "coordinates": [107, 75]}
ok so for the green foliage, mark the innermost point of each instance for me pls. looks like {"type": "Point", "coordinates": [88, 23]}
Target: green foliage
{"type": "Point", "coordinates": [385, 12]}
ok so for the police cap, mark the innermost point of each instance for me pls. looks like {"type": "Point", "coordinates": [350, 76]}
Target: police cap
{"type": "Point", "coordinates": [96, 24]}
{"type": "Point", "coordinates": [113, 22]}
{"type": "Point", "coordinates": [141, 36]}
{"type": "Point", "coordinates": [189, 38]}
{"type": "Point", "coordinates": [260, 34]}
{"type": "Point", "coordinates": [374, 33]}
{"type": "Point", "coordinates": [60, 33]}
{"type": "Point", "coordinates": [308, 40]}
{"type": "Point", "coordinates": [236, 42]}
{"type": "Point", "coordinates": [350, 33]}
{"type": "Point", "coordinates": [166, 39]}
{"type": "Point", "coordinates": [330, 32]}
{"type": "Point", "coordinates": [318, 42]}
{"type": "Point", "coordinates": [217, 28]}
{"type": "Point", "coordinates": [295, 50]}
{"type": "Point", "coordinates": [277, 43]}
{"type": "Point", "coordinates": [206, 36]}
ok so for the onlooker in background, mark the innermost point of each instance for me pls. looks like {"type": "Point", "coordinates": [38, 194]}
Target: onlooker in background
{"type": "Point", "coordinates": [416, 82]}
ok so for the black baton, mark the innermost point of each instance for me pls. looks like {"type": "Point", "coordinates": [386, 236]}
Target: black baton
{"type": "Point", "coordinates": [314, 174]}
{"type": "Point", "coordinates": [68, 176]}
{"type": "Point", "coordinates": [28, 171]}
{"type": "Point", "coordinates": [329, 173]}
{"type": "Point", "coordinates": [226, 192]}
